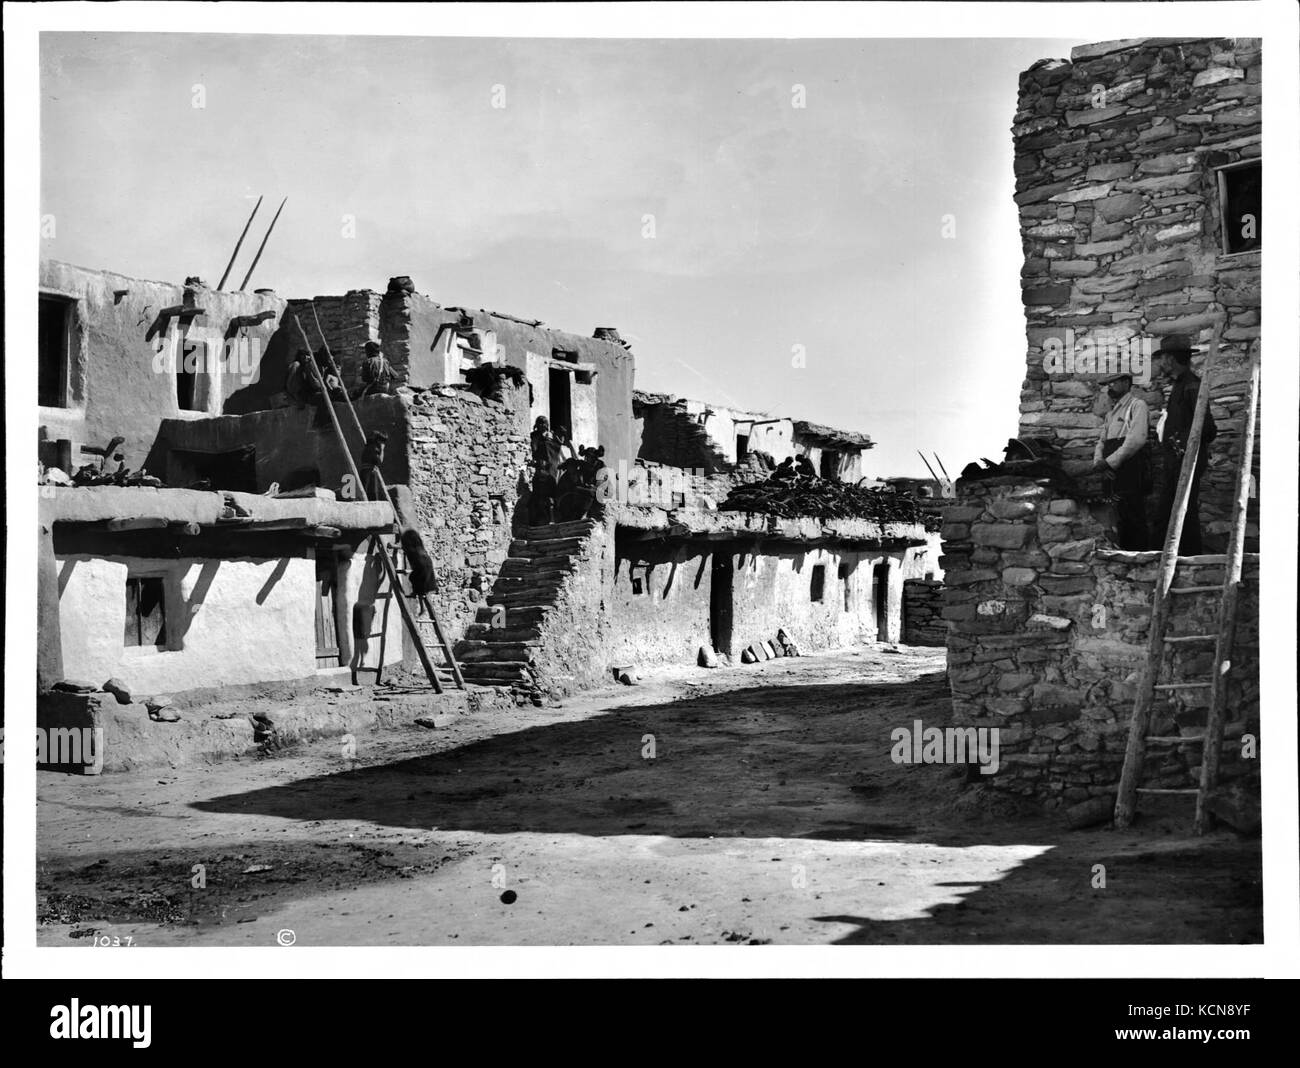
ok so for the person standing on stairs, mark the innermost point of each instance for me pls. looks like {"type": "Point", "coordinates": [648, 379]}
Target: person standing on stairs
{"type": "Point", "coordinates": [546, 454]}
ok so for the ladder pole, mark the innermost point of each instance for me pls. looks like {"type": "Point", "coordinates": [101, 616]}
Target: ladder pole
{"type": "Point", "coordinates": [356, 421]}
{"type": "Point", "coordinates": [1228, 608]}
{"type": "Point", "coordinates": [1134, 751]}
{"type": "Point", "coordinates": [407, 618]}
{"type": "Point", "coordinates": [446, 646]}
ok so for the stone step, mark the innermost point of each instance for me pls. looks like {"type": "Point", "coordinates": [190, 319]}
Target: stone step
{"type": "Point", "coordinates": [556, 562]}
{"type": "Point", "coordinates": [514, 616]}
{"type": "Point", "coordinates": [497, 672]}
{"type": "Point", "coordinates": [524, 599]}
{"type": "Point", "coordinates": [536, 546]}
{"type": "Point", "coordinates": [523, 570]}
{"type": "Point", "coordinates": [472, 652]}
{"type": "Point", "coordinates": [486, 632]}
{"type": "Point", "coordinates": [574, 527]}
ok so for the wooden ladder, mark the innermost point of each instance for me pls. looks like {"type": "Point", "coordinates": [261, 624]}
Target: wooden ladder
{"type": "Point", "coordinates": [386, 593]}
{"type": "Point", "coordinates": [1158, 641]}
{"type": "Point", "coordinates": [376, 545]}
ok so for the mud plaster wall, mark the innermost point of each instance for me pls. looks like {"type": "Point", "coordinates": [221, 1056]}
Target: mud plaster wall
{"type": "Point", "coordinates": [114, 388]}
{"type": "Point", "coordinates": [235, 621]}
{"type": "Point", "coordinates": [1121, 227]}
{"type": "Point", "coordinates": [291, 443]}
{"type": "Point", "coordinates": [771, 590]}
{"type": "Point", "coordinates": [1047, 635]}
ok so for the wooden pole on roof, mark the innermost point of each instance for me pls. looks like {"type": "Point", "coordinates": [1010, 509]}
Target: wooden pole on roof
{"type": "Point", "coordinates": [262, 247]}
{"type": "Point", "coordinates": [238, 245]}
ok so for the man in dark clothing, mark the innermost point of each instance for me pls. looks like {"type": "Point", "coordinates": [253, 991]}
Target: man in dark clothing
{"type": "Point", "coordinates": [546, 456]}
{"type": "Point", "coordinates": [377, 374]}
{"type": "Point", "coordinates": [1176, 354]}
{"type": "Point", "coordinates": [804, 468]}
{"type": "Point", "coordinates": [372, 460]}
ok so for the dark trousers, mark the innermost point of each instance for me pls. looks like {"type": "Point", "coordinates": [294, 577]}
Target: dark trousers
{"type": "Point", "coordinates": [1130, 480]}
{"type": "Point", "coordinates": [1190, 542]}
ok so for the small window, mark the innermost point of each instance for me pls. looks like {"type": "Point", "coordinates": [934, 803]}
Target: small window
{"type": "Point", "coordinates": [1240, 201]}
{"type": "Point", "coordinates": [818, 587]}
{"type": "Point", "coordinates": [640, 577]}
{"type": "Point", "coordinates": [146, 613]}
{"type": "Point", "coordinates": [742, 447]}
{"type": "Point", "coordinates": [54, 341]}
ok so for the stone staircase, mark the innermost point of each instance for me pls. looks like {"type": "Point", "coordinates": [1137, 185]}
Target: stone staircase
{"type": "Point", "coordinates": [501, 646]}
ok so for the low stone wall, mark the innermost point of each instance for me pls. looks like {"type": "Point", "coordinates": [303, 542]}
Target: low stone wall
{"type": "Point", "coordinates": [1048, 632]}
{"type": "Point", "coordinates": [923, 622]}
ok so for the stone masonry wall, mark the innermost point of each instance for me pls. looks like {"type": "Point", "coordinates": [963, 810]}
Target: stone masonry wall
{"type": "Point", "coordinates": [467, 457]}
{"type": "Point", "coordinates": [923, 621]}
{"type": "Point", "coordinates": [347, 322]}
{"type": "Point", "coordinates": [1115, 161]}
{"type": "Point", "coordinates": [1048, 634]}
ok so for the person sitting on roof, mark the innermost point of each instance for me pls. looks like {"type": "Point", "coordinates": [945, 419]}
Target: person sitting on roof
{"type": "Point", "coordinates": [377, 374]}
{"type": "Point", "coordinates": [804, 467]}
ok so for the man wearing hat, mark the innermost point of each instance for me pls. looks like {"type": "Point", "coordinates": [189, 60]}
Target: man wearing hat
{"type": "Point", "coordinates": [1122, 454]}
{"type": "Point", "coordinates": [1176, 362]}
{"type": "Point", "coordinates": [377, 374]}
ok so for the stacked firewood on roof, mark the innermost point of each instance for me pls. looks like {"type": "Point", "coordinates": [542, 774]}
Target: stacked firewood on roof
{"type": "Point", "coordinates": [821, 498]}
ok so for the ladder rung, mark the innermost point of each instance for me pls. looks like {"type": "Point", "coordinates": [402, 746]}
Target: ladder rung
{"type": "Point", "coordinates": [1194, 638]}
{"type": "Point", "coordinates": [1177, 739]}
{"type": "Point", "coordinates": [1182, 685]}
{"type": "Point", "coordinates": [1195, 589]}
{"type": "Point", "coordinates": [1153, 790]}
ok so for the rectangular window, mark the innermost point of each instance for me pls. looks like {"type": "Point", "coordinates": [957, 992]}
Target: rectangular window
{"type": "Point", "coordinates": [1240, 201]}
{"type": "Point", "coordinates": [54, 345]}
{"type": "Point", "coordinates": [146, 613]}
{"type": "Point", "coordinates": [640, 578]}
{"type": "Point", "coordinates": [817, 589]}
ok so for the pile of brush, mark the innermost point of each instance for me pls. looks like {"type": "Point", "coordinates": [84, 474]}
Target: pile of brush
{"type": "Point", "coordinates": [820, 498]}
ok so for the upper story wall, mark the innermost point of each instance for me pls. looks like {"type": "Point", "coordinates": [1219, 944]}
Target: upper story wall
{"type": "Point", "coordinates": [117, 356]}
{"type": "Point", "coordinates": [1122, 157]}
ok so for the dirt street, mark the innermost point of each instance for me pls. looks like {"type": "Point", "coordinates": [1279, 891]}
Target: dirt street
{"type": "Point", "coordinates": [747, 805]}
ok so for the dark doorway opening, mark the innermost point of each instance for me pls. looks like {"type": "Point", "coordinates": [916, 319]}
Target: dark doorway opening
{"type": "Point", "coordinates": [188, 356]}
{"type": "Point", "coordinates": [742, 447]}
{"type": "Point", "coordinates": [830, 464]}
{"type": "Point", "coordinates": [721, 585]}
{"type": "Point", "coordinates": [561, 400]}
{"type": "Point", "coordinates": [235, 470]}
{"type": "Point", "coordinates": [53, 339]}
{"type": "Point", "coordinates": [880, 595]}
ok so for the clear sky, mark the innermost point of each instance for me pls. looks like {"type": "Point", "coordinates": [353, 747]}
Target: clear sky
{"type": "Point", "coordinates": [798, 263]}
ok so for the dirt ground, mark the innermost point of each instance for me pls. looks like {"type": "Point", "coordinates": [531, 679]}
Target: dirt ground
{"type": "Point", "coordinates": [747, 805]}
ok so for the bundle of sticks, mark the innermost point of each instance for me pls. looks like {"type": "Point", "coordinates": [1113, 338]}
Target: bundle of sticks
{"type": "Point", "coordinates": [826, 499]}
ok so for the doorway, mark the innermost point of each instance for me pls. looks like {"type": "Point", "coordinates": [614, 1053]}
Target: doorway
{"type": "Point", "coordinates": [721, 601]}
{"type": "Point", "coordinates": [561, 400]}
{"type": "Point", "coordinates": [880, 596]}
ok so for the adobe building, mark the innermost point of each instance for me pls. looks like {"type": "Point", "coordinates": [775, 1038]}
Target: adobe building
{"type": "Point", "coordinates": [1138, 171]}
